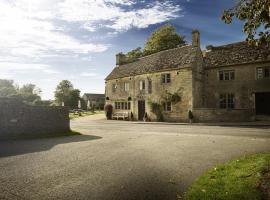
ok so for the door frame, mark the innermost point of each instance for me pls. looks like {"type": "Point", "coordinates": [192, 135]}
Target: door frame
{"type": "Point", "coordinates": [141, 109]}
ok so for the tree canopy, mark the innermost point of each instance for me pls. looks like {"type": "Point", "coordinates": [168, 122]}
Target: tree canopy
{"type": "Point", "coordinates": [256, 17]}
{"type": "Point", "coordinates": [7, 88]}
{"type": "Point", "coordinates": [163, 38]}
{"type": "Point", "coordinates": [134, 54]}
{"type": "Point", "coordinates": [66, 93]}
{"type": "Point", "coordinates": [28, 93]}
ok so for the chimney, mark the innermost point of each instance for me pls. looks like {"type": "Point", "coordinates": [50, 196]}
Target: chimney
{"type": "Point", "coordinates": [196, 38]}
{"type": "Point", "coordinates": [120, 59]}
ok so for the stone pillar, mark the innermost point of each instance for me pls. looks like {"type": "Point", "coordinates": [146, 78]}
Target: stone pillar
{"type": "Point", "coordinates": [196, 38]}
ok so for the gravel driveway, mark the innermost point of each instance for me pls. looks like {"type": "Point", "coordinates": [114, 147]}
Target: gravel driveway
{"type": "Point", "coordinates": [121, 160]}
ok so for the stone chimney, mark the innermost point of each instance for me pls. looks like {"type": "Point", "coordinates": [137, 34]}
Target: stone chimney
{"type": "Point", "coordinates": [120, 59]}
{"type": "Point", "coordinates": [196, 38]}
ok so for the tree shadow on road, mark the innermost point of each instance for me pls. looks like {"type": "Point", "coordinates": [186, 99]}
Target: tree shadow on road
{"type": "Point", "coordinates": [18, 147]}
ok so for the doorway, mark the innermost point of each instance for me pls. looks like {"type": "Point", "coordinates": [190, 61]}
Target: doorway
{"type": "Point", "coordinates": [141, 109]}
{"type": "Point", "coordinates": [262, 103]}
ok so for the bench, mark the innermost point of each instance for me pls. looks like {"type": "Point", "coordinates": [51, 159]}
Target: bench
{"type": "Point", "coordinates": [120, 115]}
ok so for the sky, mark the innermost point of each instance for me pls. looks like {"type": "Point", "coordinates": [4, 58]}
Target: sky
{"type": "Point", "coordinates": [46, 41]}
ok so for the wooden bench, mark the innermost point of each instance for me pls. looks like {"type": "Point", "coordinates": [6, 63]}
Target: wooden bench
{"type": "Point", "coordinates": [120, 115]}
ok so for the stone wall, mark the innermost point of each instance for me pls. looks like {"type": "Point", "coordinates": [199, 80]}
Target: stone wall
{"type": "Point", "coordinates": [17, 119]}
{"type": "Point", "coordinates": [244, 86]}
{"type": "Point", "coordinates": [222, 115]}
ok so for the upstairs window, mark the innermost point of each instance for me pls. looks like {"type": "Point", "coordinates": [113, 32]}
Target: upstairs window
{"type": "Point", "coordinates": [263, 73]}
{"type": "Point", "coordinates": [126, 87]}
{"type": "Point", "coordinates": [142, 85]}
{"type": "Point", "coordinates": [165, 78]}
{"type": "Point", "coordinates": [226, 75]}
{"type": "Point", "coordinates": [149, 86]}
{"type": "Point", "coordinates": [122, 105]}
{"type": "Point", "coordinates": [227, 101]}
{"type": "Point", "coordinates": [167, 106]}
{"type": "Point", "coordinates": [114, 87]}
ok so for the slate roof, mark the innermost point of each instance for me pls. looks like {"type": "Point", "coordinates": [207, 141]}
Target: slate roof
{"type": "Point", "coordinates": [95, 96]}
{"type": "Point", "coordinates": [236, 53]}
{"type": "Point", "coordinates": [164, 60]}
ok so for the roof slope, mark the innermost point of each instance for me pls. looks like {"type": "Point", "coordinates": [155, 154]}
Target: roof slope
{"type": "Point", "coordinates": [92, 95]}
{"type": "Point", "coordinates": [236, 53]}
{"type": "Point", "coordinates": [164, 60]}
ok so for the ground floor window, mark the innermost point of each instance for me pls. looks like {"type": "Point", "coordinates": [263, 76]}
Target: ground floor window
{"type": "Point", "coordinates": [227, 101]}
{"type": "Point", "coordinates": [167, 106]}
{"type": "Point", "coordinates": [122, 105]}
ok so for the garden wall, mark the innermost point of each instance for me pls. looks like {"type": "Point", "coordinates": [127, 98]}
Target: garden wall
{"type": "Point", "coordinates": [18, 119]}
{"type": "Point", "coordinates": [222, 115]}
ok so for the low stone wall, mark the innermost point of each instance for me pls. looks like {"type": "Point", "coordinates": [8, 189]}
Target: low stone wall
{"type": "Point", "coordinates": [17, 119]}
{"type": "Point", "coordinates": [222, 115]}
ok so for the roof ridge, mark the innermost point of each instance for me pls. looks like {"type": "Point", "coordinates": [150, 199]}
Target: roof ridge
{"type": "Point", "coordinates": [164, 51]}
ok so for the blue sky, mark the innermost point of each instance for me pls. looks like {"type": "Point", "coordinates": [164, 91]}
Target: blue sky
{"type": "Point", "coordinates": [45, 41]}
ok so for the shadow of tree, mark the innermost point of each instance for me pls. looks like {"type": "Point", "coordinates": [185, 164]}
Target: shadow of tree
{"type": "Point", "coordinates": [18, 147]}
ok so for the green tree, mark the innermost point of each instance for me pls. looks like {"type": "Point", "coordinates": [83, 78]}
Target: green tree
{"type": "Point", "coordinates": [256, 17]}
{"type": "Point", "coordinates": [163, 38]}
{"type": "Point", "coordinates": [7, 88]}
{"type": "Point", "coordinates": [62, 91]}
{"type": "Point", "coordinates": [134, 54]}
{"type": "Point", "coordinates": [66, 93]}
{"type": "Point", "coordinates": [29, 93]}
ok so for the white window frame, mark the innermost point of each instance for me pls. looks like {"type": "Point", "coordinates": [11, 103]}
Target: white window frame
{"type": "Point", "coordinates": [165, 107]}
{"type": "Point", "coordinates": [142, 85]}
{"type": "Point", "coordinates": [126, 86]}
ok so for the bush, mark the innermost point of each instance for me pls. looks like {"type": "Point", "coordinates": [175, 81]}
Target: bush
{"type": "Point", "coordinates": [108, 108]}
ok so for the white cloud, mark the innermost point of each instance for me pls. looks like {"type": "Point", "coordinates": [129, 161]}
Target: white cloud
{"type": "Point", "coordinates": [114, 16]}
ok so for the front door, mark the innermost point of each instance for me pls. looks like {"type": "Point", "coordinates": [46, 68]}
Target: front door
{"type": "Point", "coordinates": [262, 101]}
{"type": "Point", "coordinates": [141, 110]}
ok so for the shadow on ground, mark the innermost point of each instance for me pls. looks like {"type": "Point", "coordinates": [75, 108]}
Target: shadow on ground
{"type": "Point", "coordinates": [18, 147]}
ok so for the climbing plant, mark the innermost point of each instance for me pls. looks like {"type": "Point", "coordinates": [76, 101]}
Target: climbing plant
{"type": "Point", "coordinates": [156, 108]}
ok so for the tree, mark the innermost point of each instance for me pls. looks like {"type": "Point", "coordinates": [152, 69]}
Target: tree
{"type": "Point", "coordinates": [256, 17]}
{"type": "Point", "coordinates": [163, 38]}
{"type": "Point", "coordinates": [134, 54]}
{"type": "Point", "coordinates": [29, 93]}
{"type": "Point", "coordinates": [62, 91]}
{"type": "Point", "coordinates": [66, 93]}
{"type": "Point", "coordinates": [7, 88]}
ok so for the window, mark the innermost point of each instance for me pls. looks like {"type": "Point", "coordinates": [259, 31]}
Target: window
{"type": "Point", "coordinates": [263, 73]}
{"type": "Point", "coordinates": [165, 78]}
{"type": "Point", "coordinates": [167, 106]}
{"type": "Point", "coordinates": [149, 86]}
{"type": "Point", "coordinates": [142, 85]}
{"type": "Point", "coordinates": [122, 105]}
{"type": "Point", "coordinates": [226, 75]}
{"type": "Point", "coordinates": [114, 87]}
{"type": "Point", "coordinates": [126, 87]}
{"type": "Point", "coordinates": [226, 101]}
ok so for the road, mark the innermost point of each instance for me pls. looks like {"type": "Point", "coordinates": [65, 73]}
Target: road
{"type": "Point", "coordinates": [121, 160]}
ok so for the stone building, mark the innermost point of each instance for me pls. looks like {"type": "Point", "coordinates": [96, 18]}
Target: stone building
{"type": "Point", "coordinates": [96, 101]}
{"type": "Point", "coordinates": [224, 83]}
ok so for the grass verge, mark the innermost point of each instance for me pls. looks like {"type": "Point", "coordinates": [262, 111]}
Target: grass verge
{"type": "Point", "coordinates": [84, 114]}
{"type": "Point", "coordinates": [235, 180]}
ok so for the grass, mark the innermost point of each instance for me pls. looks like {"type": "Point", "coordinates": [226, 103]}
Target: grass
{"type": "Point", "coordinates": [84, 114]}
{"type": "Point", "coordinates": [235, 180]}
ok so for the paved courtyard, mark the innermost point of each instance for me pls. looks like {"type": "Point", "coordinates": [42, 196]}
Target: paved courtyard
{"type": "Point", "coordinates": [121, 160]}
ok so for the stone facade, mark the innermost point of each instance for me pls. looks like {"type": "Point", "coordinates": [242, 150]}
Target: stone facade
{"type": "Point", "coordinates": [18, 119]}
{"type": "Point", "coordinates": [96, 101]}
{"type": "Point", "coordinates": [220, 84]}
